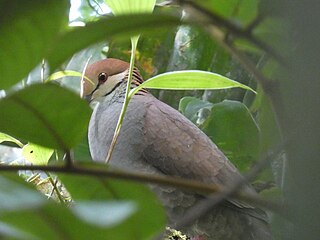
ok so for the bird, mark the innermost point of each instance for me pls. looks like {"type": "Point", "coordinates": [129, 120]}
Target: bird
{"type": "Point", "coordinates": [157, 139]}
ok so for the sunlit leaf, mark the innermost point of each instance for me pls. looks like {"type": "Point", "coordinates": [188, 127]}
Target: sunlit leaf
{"type": "Point", "coordinates": [52, 116]}
{"type": "Point", "coordinates": [119, 7]}
{"type": "Point", "coordinates": [36, 154]}
{"type": "Point", "coordinates": [6, 138]}
{"type": "Point", "coordinates": [189, 80]}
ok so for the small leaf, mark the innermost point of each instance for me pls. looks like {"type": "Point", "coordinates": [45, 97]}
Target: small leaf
{"type": "Point", "coordinates": [36, 154]}
{"type": "Point", "coordinates": [119, 7]}
{"type": "Point", "coordinates": [189, 80]}
{"type": "Point", "coordinates": [52, 116]}
{"type": "Point", "coordinates": [192, 105]}
{"type": "Point", "coordinates": [104, 214]}
{"type": "Point", "coordinates": [6, 138]}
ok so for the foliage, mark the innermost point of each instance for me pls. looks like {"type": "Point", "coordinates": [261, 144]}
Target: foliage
{"type": "Point", "coordinates": [240, 40]}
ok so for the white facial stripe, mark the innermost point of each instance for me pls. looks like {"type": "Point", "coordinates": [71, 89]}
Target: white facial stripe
{"type": "Point", "coordinates": [107, 87]}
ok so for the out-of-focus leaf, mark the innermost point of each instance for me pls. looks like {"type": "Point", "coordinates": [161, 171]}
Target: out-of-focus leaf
{"type": "Point", "coordinates": [189, 80]}
{"type": "Point", "coordinates": [15, 196]}
{"type": "Point", "coordinates": [67, 73]}
{"type": "Point", "coordinates": [26, 34]}
{"type": "Point", "coordinates": [243, 11]}
{"type": "Point", "coordinates": [6, 138]}
{"type": "Point", "coordinates": [36, 154]}
{"type": "Point", "coordinates": [98, 189]}
{"type": "Point", "coordinates": [104, 214]}
{"type": "Point", "coordinates": [9, 232]}
{"type": "Point", "coordinates": [234, 130]}
{"type": "Point", "coordinates": [26, 211]}
{"type": "Point", "coordinates": [52, 116]}
{"type": "Point", "coordinates": [119, 7]}
{"type": "Point", "coordinates": [122, 26]}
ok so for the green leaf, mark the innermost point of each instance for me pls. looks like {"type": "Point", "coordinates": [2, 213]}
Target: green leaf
{"type": "Point", "coordinates": [36, 154]}
{"type": "Point", "coordinates": [27, 31]}
{"type": "Point", "coordinates": [52, 116]}
{"type": "Point", "coordinates": [28, 215]}
{"type": "Point", "coordinates": [119, 7]}
{"type": "Point", "coordinates": [6, 138]}
{"type": "Point", "coordinates": [101, 189]}
{"type": "Point", "coordinates": [123, 26]}
{"type": "Point", "coordinates": [189, 80]}
{"type": "Point", "coordinates": [14, 195]}
{"type": "Point", "coordinates": [234, 130]}
{"type": "Point", "coordinates": [67, 73]}
{"type": "Point", "coordinates": [190, 106]}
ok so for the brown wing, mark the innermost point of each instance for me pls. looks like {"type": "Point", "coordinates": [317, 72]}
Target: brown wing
{"type": "Point", "coordinates": [179, 148]}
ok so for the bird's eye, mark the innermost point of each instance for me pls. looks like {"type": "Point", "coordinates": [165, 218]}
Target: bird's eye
{"type": "Point", "coordinates": [102, 77]}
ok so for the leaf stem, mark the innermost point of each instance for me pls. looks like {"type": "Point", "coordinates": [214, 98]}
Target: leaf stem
{"type": "Point", "coordinates": [134, 42]}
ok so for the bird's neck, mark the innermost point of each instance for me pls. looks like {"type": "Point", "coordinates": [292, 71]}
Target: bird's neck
{"type": "Point", "coordinates": [118, 94]}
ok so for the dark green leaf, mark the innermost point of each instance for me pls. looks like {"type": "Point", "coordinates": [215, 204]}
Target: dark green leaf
{"type": "Point", "coordinates": [45, 114]}
{"type": "Point", "coordinates": [234, 130]}
{"type": "Point", "coordinates": [190, 106]}
{"type": "Point", "coordinates": [27, 30]}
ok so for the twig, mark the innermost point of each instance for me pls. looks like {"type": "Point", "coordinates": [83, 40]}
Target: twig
{"type": "Point", "coordinates": [204, 206]}
{"type": "Point", "coordinates": [186, 184]}
{"type": "Point", "coordinates": [216, 20]}
{"type": "Point", "coordinates": [68, 159]}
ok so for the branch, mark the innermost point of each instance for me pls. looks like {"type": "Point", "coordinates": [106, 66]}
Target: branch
{"type": "Point", "coordinates": [216, 20]}
{"type": "Point", "coordinates": [186, 184]}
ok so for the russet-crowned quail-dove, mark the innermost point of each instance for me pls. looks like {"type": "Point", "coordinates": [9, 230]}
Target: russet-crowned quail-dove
{"type": "Point", "coordinates": [157, 139]}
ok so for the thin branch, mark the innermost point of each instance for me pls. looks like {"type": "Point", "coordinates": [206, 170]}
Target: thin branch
{"type": "Point", "coordinates": [68, 159]}
{"type": "Point", "coordinates": [204, 206]}
{"type": "Point", "coordinates": [186, 184]}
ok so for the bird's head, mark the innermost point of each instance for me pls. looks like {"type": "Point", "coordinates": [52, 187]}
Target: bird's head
{"type": "Point", "coordinates": [106, 75]}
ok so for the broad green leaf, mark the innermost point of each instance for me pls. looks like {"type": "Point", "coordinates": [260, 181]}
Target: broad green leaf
{"type": "Point", "coordinates": [45, 114]}
{"type": "Point", "coordinates": [36, 154]}
{"type": "Point", "coordinates": [234, 130]}
{"type": "Point", "coordinates": [25, 211]}
{"type": "Point", "coordinates": [67, 73]}
{"type": "Point", "coordinates": [27, 31]}
{"type": "Point", "coordinates": [6, 138]}
{"type": "Point", "coordinates": [102, 189]}
{"type": "Point", "coordinates": [123, 26]}
{"type": "Point", "coordinates": [189, 80]}
{"type": "Point", "coordinates": [119, 7]}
